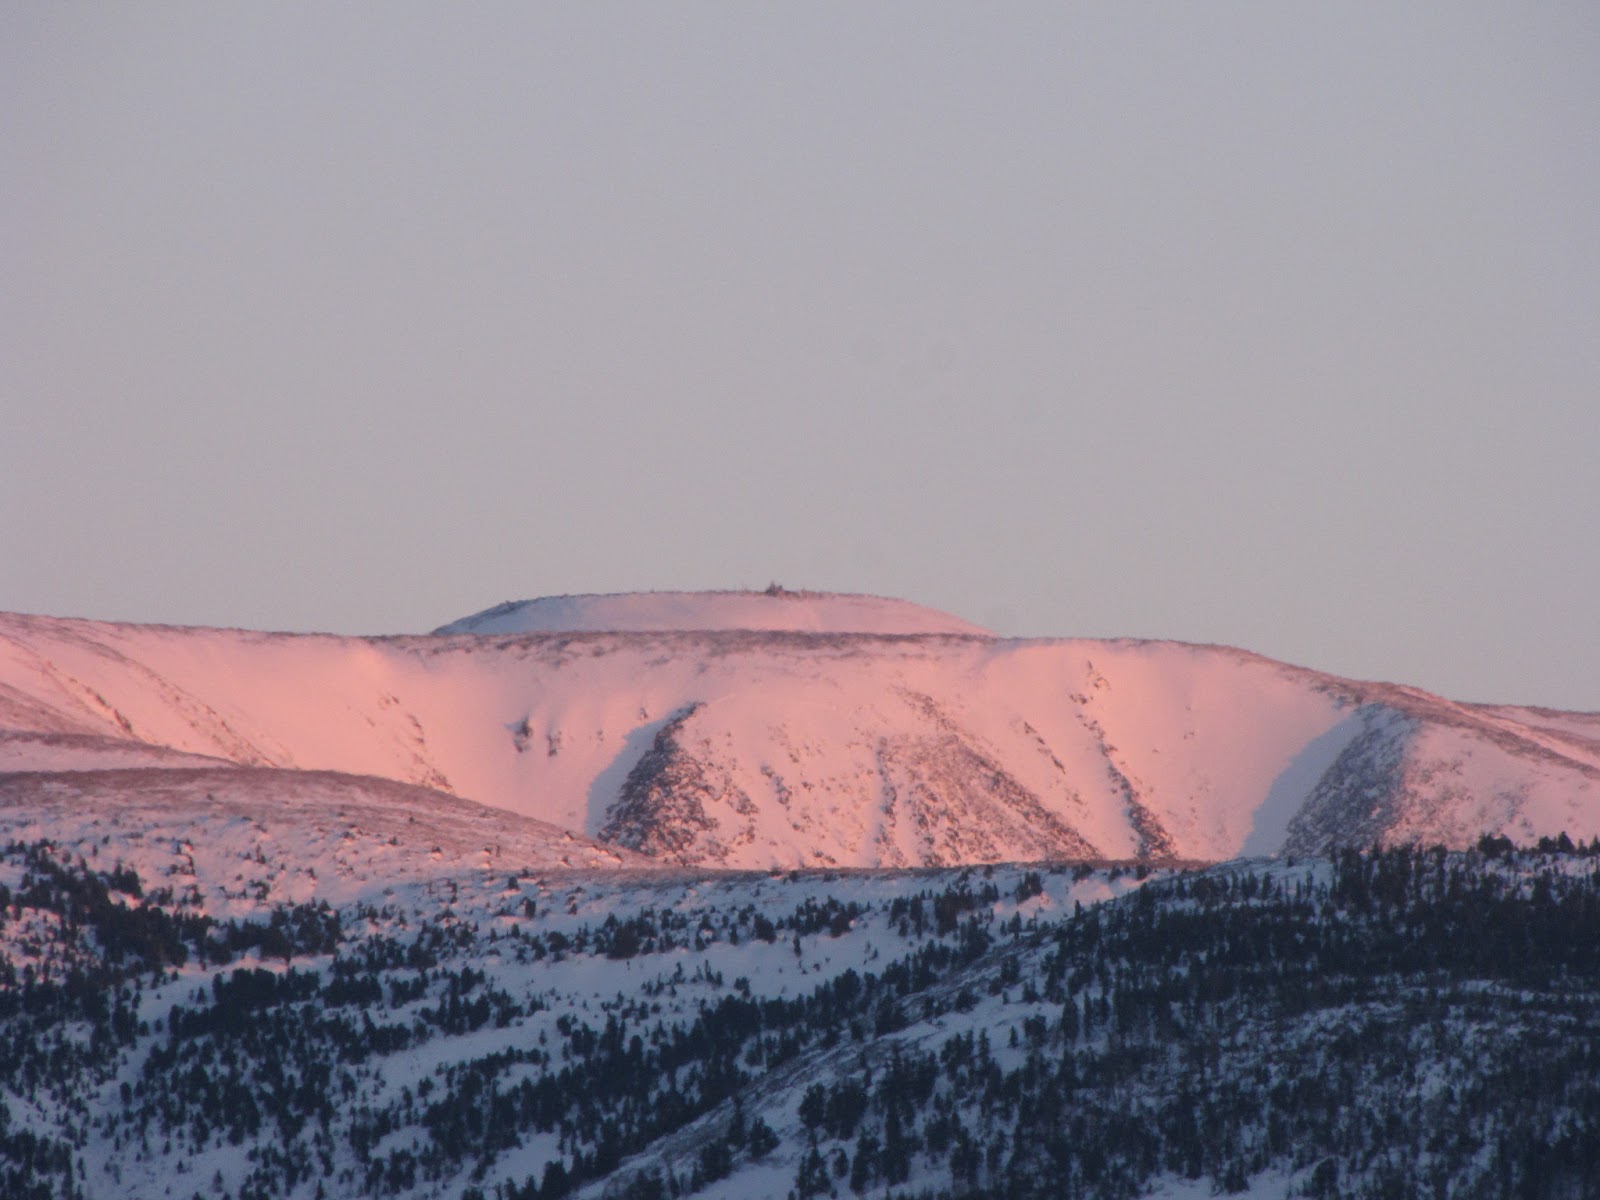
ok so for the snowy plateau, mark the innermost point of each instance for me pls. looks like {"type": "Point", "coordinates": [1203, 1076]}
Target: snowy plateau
{"type": "Point", "coordinates": [750, 894]}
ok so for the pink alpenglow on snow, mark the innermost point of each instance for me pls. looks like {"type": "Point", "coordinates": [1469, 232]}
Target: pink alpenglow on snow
{"type": "Point", "coordinates": [763, 730]}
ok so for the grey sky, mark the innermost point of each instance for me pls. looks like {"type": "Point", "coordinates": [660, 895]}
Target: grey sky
{"type": "Point", "coordinates": [1259, 324]}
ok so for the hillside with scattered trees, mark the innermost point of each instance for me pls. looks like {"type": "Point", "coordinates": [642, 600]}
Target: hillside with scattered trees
{"type": "Point", "coordinates": [1401, 1022]}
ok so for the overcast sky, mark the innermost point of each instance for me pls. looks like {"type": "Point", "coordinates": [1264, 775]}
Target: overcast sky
{"type": "Point", "coordinates": [1273, 325]}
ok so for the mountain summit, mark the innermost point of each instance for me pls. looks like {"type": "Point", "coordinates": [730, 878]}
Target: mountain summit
{"type": "Point", "coordinates": [776, 609]}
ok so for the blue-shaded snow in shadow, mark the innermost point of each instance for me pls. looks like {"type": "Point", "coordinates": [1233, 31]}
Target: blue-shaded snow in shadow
{"type": "Point", "coordinates": [1293, 786]}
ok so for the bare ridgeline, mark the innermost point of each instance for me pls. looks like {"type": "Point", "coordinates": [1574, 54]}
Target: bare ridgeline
{"type": "Point", "coordinates": [760, 894]}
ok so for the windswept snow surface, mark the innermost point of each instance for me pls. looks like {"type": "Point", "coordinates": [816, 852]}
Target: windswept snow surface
{"type": "Point", "coordinates": [758, 748]}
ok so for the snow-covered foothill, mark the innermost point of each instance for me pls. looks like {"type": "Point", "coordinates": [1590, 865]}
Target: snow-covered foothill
{"type": "Point", "coordinates": [234, 841]}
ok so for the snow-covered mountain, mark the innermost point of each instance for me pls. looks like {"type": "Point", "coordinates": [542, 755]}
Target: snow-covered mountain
{"type": "Point", "coordinates": [788, 729]}
{"type": "Point", "coordinates": [432, 916]}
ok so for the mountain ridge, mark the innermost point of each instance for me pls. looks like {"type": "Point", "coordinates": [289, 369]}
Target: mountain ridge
{"type": "Point", "coordinates": [794, 747]}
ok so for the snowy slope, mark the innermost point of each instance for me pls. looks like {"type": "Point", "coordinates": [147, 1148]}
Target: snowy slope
{"type": "Point", "coordinates": [236, 840]}
{"type": "Point", "coordinates": [757, 747]}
